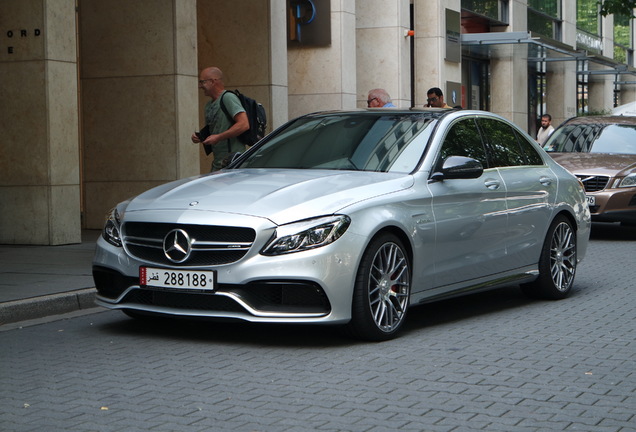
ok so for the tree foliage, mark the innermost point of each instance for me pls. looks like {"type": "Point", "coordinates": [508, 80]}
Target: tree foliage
{"type": "Point", "coordinates": [618, 7]}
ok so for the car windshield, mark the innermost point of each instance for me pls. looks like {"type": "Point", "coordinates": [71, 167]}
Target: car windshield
{"type": "Point", "coordinates": [361, 141]}
{"type": "Point", "coordinates": [594, 138]}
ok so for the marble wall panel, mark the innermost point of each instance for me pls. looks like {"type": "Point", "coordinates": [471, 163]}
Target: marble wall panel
{"type": "Point", "coordinates": [379, 61]}
{"type": "Point", "coordinates": [63, 132]}
{"type": "Point", "coordinates": [24, 151]}
{"type": "Point", "coordinates": [303, 104]}
{"type": "Point", "coordinates": [27, 222]}
{"type": "Point", "coordinates": [187, 121]}
{"type": "Point", "coordinates": [235, 37]}
{"type": "Point", "coordinates": [127, 38]}
{"type": "Point", "coordinates": [378, 13]}
{"type": "Point", "coordinates": [109, 194]}
{"type": "Point", "coordinates": [65, 215]}
{"type": "Point", "coordinates": [61, 40]}
{"type": "Point", "coordinates": [129, 128]}
{"type": "Point", "coordinates": [185, 24]}
{"type": "Point", "coordinates": [23, 34]}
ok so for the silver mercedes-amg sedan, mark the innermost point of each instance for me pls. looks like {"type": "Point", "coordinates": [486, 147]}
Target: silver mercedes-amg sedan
{"type": "Point", "coordinates": [349, 218]}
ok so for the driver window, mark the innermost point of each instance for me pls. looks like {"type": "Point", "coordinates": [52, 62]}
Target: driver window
{"type": "Point", "coordinates": [463, 139]}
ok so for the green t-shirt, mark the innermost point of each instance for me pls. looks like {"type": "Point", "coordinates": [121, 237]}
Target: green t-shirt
{"type": "Point", "coordinates": [218, 122]}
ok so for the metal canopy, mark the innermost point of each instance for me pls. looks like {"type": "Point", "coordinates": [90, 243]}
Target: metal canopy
{"type": "Point", "coordinates": [564, 52]}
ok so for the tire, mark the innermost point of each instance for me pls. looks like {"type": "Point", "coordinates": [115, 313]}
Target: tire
{"type": "Point", "coordinates": [382, 290]}
{"type": "Point", "coordinates": [557, 263]}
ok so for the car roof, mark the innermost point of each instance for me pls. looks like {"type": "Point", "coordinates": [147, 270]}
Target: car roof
{"type": "Point", "coordinates": [621, 120]}
{"type": "Point", "coordinates": [433, 113]}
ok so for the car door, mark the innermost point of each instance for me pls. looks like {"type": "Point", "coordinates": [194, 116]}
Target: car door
{"type": "Point", "coordinates": [530, 189]}
{"type": "Point", "coordinates": [470, 214]}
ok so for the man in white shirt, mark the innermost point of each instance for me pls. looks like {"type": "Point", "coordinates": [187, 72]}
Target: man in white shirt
{"type": "Point", "coordinates": [546, 129]}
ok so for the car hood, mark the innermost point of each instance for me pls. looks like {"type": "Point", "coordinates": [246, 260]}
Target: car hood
{"type": "Point", "coordinates": [596, 163]}
{"type": "Point", "coordinates": [281, 196]}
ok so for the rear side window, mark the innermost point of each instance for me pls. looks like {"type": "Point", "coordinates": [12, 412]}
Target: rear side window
{"type": "Point", "coordinates": [529, 151]}
{"type": "Point", "coordinates": [502, 143]}
{"type": "Point", "coordinates": [464, 139]}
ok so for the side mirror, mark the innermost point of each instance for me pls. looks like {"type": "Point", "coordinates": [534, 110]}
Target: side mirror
{"type": "Point", "coordinates": [459, 167]}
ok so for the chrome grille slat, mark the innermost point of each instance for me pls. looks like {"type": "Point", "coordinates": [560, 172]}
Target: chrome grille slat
{"type": "Point", "coordinates": [594, 183]}
{"type": "Point", "coordinates": [211, 245]}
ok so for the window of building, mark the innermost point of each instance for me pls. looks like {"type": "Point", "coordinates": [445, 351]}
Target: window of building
{"type": "Point", "coordinates": [588, 26]}
{"type": "Point", "coordinates": [496, 10]}
{"type": "Point", "coordinates": [544, 18]}
{"type": "Point", "coordinates": [623, 50]}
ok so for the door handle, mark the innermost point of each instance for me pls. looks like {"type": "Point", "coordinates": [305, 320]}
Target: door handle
{"type": "Point", "coordinates": [492, 184]}
{"type": "Point", "coordinates": [545, 181]}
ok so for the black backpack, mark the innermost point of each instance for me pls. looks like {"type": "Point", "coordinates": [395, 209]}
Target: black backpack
{"type": "Point", "coordinates": [256, 116]}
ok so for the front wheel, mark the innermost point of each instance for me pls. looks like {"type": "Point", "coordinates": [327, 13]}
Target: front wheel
{"type": "Point", "coordinates": [382, 290]}
{"type": "Point", "coordinates": [557, 263]}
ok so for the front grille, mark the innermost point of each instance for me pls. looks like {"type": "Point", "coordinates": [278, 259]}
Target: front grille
{"type": "Point", "coordinates": [211, 244]}
{"type": "Point", "coordinates": [593, 183]}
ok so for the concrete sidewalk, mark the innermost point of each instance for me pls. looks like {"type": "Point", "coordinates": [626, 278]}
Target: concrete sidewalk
{"type": "Point", "coordinates": [38, 281]}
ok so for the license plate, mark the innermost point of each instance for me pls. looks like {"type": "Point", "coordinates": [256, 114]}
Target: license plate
{"type": "Point", "coordinates": [591, 200]}
{"type": "Point", "coordinates": [177, 279]}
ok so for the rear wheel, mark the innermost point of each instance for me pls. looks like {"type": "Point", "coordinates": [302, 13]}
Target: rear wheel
{"type": "Point", "coordinates": [557, 264]}
{"type": "Point", "coordinates": [382, 290]}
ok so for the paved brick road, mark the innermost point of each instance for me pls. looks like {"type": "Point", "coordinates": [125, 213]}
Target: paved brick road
{"type": "Point", "coordinates": [493, 362]}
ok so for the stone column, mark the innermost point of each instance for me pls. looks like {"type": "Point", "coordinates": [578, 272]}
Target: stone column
{"type": "Point", "coordinates": [139, 98]}
{"type": "Point", "coordinates": [39, 149]}
{"type": "Point", "coordinates": [324, 77]}
{"type": "Point", "coordinates": [431, 67]}
{"type": "Point", "coordinates": [383, 50]}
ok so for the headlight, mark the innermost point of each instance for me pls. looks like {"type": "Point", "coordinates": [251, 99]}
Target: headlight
{"type": "Point", "coordinates": [111, 232]}
{"type": "Point", "coordinates": [628, 181]}
{"type": "Point", "coordinates": [307, 234]}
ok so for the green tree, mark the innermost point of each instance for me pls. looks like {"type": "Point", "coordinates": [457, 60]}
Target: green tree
{"type": "Point", "coordinates": [619, 7]}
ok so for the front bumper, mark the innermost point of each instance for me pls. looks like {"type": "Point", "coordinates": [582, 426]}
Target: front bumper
{"type": "Point", "coordinates": [614, 205]}
{"type": "Point", "coordinates": [314, 286]}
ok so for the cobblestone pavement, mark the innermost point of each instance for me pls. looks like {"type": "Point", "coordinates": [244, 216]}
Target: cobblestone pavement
{"type": "Point", "coordinates": [493, 361]}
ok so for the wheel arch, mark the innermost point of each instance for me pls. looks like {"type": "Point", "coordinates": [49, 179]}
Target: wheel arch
{"type": "Point", "coordinates": [570, 217]}
{"type": "Point", "coordinates": [400, 234]}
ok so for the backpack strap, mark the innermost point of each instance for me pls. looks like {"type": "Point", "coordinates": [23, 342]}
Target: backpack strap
{"type": "Point", "coordinates": [227, 114]}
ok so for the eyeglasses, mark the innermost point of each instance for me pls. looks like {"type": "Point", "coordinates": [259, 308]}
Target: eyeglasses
{"type": "Point", "coordinates": [429, 100]}
{"type": "Point", "coordinates": [201, 82]}
{"type": "Point", "coordinates": [371, 100]}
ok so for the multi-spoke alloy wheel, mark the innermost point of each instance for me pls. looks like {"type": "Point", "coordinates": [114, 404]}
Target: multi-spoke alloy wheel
{"type": "Point", "coordinates": [557, 264]}
{"type": "Point", "coordinates": [563, 257]}
{"type": "Point", "coordinates": [383, 286]}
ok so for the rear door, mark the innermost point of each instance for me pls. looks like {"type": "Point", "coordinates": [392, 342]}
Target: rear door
{"type": "Point", "coordinates": [530, 190]}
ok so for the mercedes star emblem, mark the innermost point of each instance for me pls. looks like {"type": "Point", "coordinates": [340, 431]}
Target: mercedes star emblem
{"type": "Point", "coordinates": [177, 245]}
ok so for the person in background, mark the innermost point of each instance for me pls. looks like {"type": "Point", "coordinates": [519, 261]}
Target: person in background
{"type": "Point", "coordinates": [222, 132]}
{"type": "Point", "coordinates": [379, 98]}
{"type": "Point", "coordinates": [545, 130]}
{"type": "Point", "coordinates": [435, 98]}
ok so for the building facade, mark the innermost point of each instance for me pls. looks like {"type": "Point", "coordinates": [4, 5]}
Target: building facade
{"type": "Point", "coordinates": [99, 99]}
